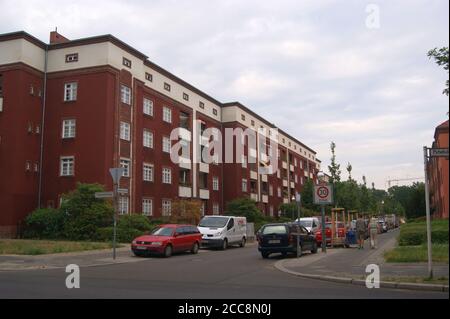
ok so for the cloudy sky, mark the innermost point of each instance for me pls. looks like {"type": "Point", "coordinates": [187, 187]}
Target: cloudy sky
{"type": "Point", "coordinates": [323, 70]}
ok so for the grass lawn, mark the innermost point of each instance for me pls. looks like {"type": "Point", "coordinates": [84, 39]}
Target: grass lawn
{"type": "Point", "coordinates": [410, 254]}
{"type": "Point", "coordinates": [40, 247]}
{"type": "Point", "coordinates": [417, 280]}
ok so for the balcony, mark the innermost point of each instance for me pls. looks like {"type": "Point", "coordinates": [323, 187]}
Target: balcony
{"type": "Point", "coordinates": [285, 200]}
{"type": "Point", "coordinates": [284, 165]}
{"type": "Point", "coordinates": [254, 197]}
{"type": "Point", "coordinates": [306, 173]}
{"type": "Point", "coordinates": [291, 168]}
{"type": "Point", "coordinates": [185, 162]}
{"type": "Point", "coordinates": [204, 194]}
{"type": "Point", "coordinates": [252, 153]}
{"type": "Point", "coordinates": [184, 191]}
{"type": "Point", "coordinates": [204, 168]}
{"type": "Point", "coordinates": [253, 175]}
{"type": "Point", "coordinates": [292, 185]}
{"type": "Point", "coordinates": [184, 134]}
{"type": "Point", "coordinates": [285, 183]}
{"type": "Point", "coordinates": [264, 178]}
{"type": "Point", "coordinates": [265, 199]}
{"type": "Point", "coordinates": [263, 157]}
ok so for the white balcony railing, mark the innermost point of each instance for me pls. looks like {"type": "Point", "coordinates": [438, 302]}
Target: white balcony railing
{"type": "Point", "coordinates": [184, 191]}
{"type": "Point", "coordinates": [285, 200]}
{"type": "Point", "coordinates": [291, 168]}
{"type": "Point", "coordinates": [292, 185]}
{"type": "Point", "coordinates": [285, 182]}
{"type": "Point", "coordinates": [253, 175]}
{"type": "Point", "coordinates": [204, 194]}
{"type": "Point", "coordinates": [264, 178]}
{"type": "Point", "coordinates": [284, 165]}
{"type": "Point", "coordinates": [265, 199]}
{"type": "Point", "coordinates": [185, 163]}
{"type": "Point", "coordinates": [204, 168]}
{"type": "Point", "coordinates": [254, 197]}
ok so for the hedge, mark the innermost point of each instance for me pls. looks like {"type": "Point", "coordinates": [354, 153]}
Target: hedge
{"type": "Point", "coordinates": [414, 234]}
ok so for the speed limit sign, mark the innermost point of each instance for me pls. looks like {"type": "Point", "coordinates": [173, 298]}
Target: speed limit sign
{"type": "Point", "coordinates": [323, 194]}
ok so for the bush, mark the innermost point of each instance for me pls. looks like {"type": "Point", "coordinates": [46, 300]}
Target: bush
{"type": "Point", "coordinates": [134, 221]}
{"type": "Point", "coordinates": [124, 235]}
{"type": "Point", "coordinates": [44, 223]}
{"type": "Point", "coordinates": [245, 207]}
{"type": "Point", "coordinates": [413, 234]}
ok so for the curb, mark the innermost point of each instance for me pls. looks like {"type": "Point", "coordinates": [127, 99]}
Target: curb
{"type": "Point", "coordinates": [359, 282]}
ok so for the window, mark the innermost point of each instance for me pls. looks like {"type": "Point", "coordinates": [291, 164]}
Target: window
{"type": "Point", "coordinates": [216, 209]}
{"type": "Point", "coordinates": [125, 164]}
{"type": "Point", "coordinates": [125, 94]}
{"type": "Point", "coordinates": [244, 185]}
{"type": "Point", "coordinates": [271, 210]}
{"type": "Point", "coordinates": [201, 105]}
{"type": "Point", "coordinates": [73, 57]}
{"type": "Point", "coordinates": [38, 129]}
{"type": "Point", "coordinates": [184, 178]}
{"type": "Point", "coordinates": [68, 129]}
{"type": "Point", "coordinates": [278, 174]}
{"type": "Point", "coordinates": [184, 120]}
{"type": "Point", "coordinates": [296, 178]}
{"type": "Point", "coordinates": [31, 90]}
{"type": "Point", "coordinates": [167, 176]}
{"type": "Point", "coordinates": [203, 180]}
{"type": "Point", "coordinates": [149, 77]}
{"type": "Point", "coordinates": [27, 166]}
{"type": "Point", "coordinates": [36, 167]}
{"type": "Point", "coordinates": [243, 117]}
{"type": "Point", "coordinates": [70, 91]}
{"type": "Point", "coordinates": [270, 190]}
{"type": "Point", "coordinates": [125, 131]}
{"type": "Point", "coordinates": [215, 183]}
{"type": "Point", "coordinates": [147, 207]}
{"type": "Point", "coordinates": [253, 123]}
{"type": "Point", "coordinates": [301, 164]}
{"type": "Point", "coordinates": [166, 207]}
{"type": "Point", "coordinates": [244, 161]}
{"type": "Point", "coordinates": [126, 62]}
{"type": "Point", "coordinates": [301, 180]}
{"type": "Point", "coordinates": [185, 96]}
{"type": "Point", "coordinates": [166, 144]}
{"type": "Point", "coordinates": [167, 114]}
{"type": "Point", "coordinates": [148, 107]}
{"type": "Point", "coordinates": [215, 111]}
{"type": "Point", "coordinates": [67, 166]}
{"type": "Point", "coordinates": [147, 139]}
{"type": "Point", "coordinates": [166, 86]}
{"type": "Point", "coordinates": [123, 205]}
{"type": "Point", "coordinates": [279, 191]}
{"type": "Point", "coordinates": [148, 172]}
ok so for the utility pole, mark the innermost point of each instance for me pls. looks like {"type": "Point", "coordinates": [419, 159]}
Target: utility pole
{"type": "Point", "coordinates": [427, 203]}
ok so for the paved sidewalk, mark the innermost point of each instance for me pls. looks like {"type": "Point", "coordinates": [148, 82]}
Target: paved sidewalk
{"type": "Point", "coordinates": [351, 262]}
{"type": "Point", "coordinates": [82, 259]}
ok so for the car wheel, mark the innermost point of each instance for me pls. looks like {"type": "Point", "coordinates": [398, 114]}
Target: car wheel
{"type": "Point", "coordinates": [314, 249]}
{"type": "Point", "coordinates": [242, 244]}
{"type": "Point", "coordinates": [265, 255]}
{"type": "Point", "coordinates": [194, 249]}
{"type": "Point", "coordinates": [138, 254]}
{"type": "Point", "coordinates": [224, 244]}
{"type": "Point", "coordinates": [168, 251]}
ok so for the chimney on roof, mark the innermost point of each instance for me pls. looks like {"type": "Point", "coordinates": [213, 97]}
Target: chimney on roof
{"type": "Point", "coordinates": [55, 37]}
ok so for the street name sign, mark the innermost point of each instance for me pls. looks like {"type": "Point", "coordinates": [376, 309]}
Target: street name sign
{"type": "Point", "coordinates": [122, 191]}
{"type": "Point", "coordinates": [104, 195]}
{"type": "Point", "coordinates": [323, 194]}
{"type": "Point", "coordinates": [438, 152]}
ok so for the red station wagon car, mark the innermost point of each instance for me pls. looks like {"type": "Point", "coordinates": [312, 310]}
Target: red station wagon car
{"type": "Point", "coordinates": [167, 239]}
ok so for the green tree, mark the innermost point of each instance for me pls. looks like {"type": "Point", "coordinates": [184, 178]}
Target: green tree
{"type": "Point", "coordinates": [307, 195]}
{"type": "Point", "coordinates": [349, 170]}
{"type": "Point", "coordinates": [440, 56]}
{"type": "Point", "coordinates": [334, 167]}
{"type": "Point", "coordinates": [244, 207]}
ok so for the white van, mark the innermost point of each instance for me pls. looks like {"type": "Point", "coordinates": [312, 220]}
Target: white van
{"type": "Point", "coordinates": [222, 231]}
{"type": "Point", "coordinates": [310, 223]}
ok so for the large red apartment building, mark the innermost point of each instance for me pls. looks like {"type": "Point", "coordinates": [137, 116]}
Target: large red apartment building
{"type": "Point", "coordinates": [72, 109]}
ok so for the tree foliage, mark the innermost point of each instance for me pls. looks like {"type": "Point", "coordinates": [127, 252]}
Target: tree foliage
{"type": "Point", "coordinates": [186, 211]}
{"type": "Point", "coordinates": [440, 56]}
{"type": "Point", "coordinates": [245, 207]}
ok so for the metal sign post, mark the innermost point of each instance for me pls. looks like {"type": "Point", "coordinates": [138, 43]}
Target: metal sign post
{"type": "Point", "coordinates": [433, 152]}
{"type": "Point", "coordinates": [323, 195]}
{"type": "Point", "coordinates": [298, 199]}
{"type": "Point", "coordinates": [116, 174]}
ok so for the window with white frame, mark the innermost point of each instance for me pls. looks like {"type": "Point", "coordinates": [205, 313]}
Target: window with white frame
{"type": "Point", "coordinates": [167, 176]}
{"type": "Point", "coordinates": [67, 164]}
{"type": "Point", "coordinates": [295, 162]}
{"type": "Point", "coordinates": [215, 183]}
{"type": "Point", "coordinates": [279, 191]}
{"type": "Point", "coordinates": [125, 131]}
{"type": "Point", "coordinates": [166, 207]}
{"type": "Point", "coordinates": [148, 107]}
{"type": "Point", "coordinates": [301, 180]}
{"type": "Point", "coordinates": [125, 94]}
{"type": "Point", "coordinates": [68, 128]}
{"type": "Point", "coordinates": [70, 91]}
{"type": "Point", "coordinates": [296, 178]}
{"type": "Point", "coordinates": [125, 164]}
{"type": "Point", "coordinates": [147, 207]}
{"type": "Point", "coordinates": [166, 144]}
{"type": "Point", "coordinates": [278, 173]}
{"type": "Point", "coordinates": [167, 114]}
{"type": "Point", "coordinates": [148, 172]}
{"type": "Point", "coordinates": [216, 209]}
{"type": "Point", "coordinates": [301, 164]}
{"type": "Point", "coordinates": [123, 205]}
{"type": "Point", "coordinates": [148, 138]}
{"type": "Point", "coordinates": [244, 185]}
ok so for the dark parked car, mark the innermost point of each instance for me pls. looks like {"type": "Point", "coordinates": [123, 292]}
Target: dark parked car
{"type": "Point", "coordinates": [167, 239]}
{"type": "Point", "coordinates": [282, 238]}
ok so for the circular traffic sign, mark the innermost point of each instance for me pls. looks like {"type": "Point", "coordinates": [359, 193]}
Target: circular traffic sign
{"type": "Point", "coordinates": [322, 192]}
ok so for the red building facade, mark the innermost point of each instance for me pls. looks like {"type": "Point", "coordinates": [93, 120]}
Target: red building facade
{"type": "Point", "coordinates": [70, 110]}
{"type": "Point", "coordinates": [438, 175]}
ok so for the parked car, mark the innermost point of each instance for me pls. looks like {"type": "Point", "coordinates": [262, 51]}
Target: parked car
{"type": "Point", "coordinates": [282, 238]}
{"type": "Point", "coordinates": [312, 224]}
{"type": "Point", "coordinates": [383, 226]}
{"type": "Point", "coordinates": [168, 239]}
{"type": "Point", "coordinates": [223, 231]}
{"type": "Point", "coordinates": [340, 231]}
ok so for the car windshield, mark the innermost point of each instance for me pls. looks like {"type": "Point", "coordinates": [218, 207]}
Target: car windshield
{"type": "Point", "coordinates": [163, 231]}
{"type": "Point", "coordinates": [214, 222]}
{"type": "Point", "coordinates": [275, 229]}
{"type": "Point", "coordinates": [306, 223]}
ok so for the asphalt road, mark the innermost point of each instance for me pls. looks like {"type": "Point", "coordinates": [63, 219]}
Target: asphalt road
{"type": "Point", "coordinates": [234, 273]}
